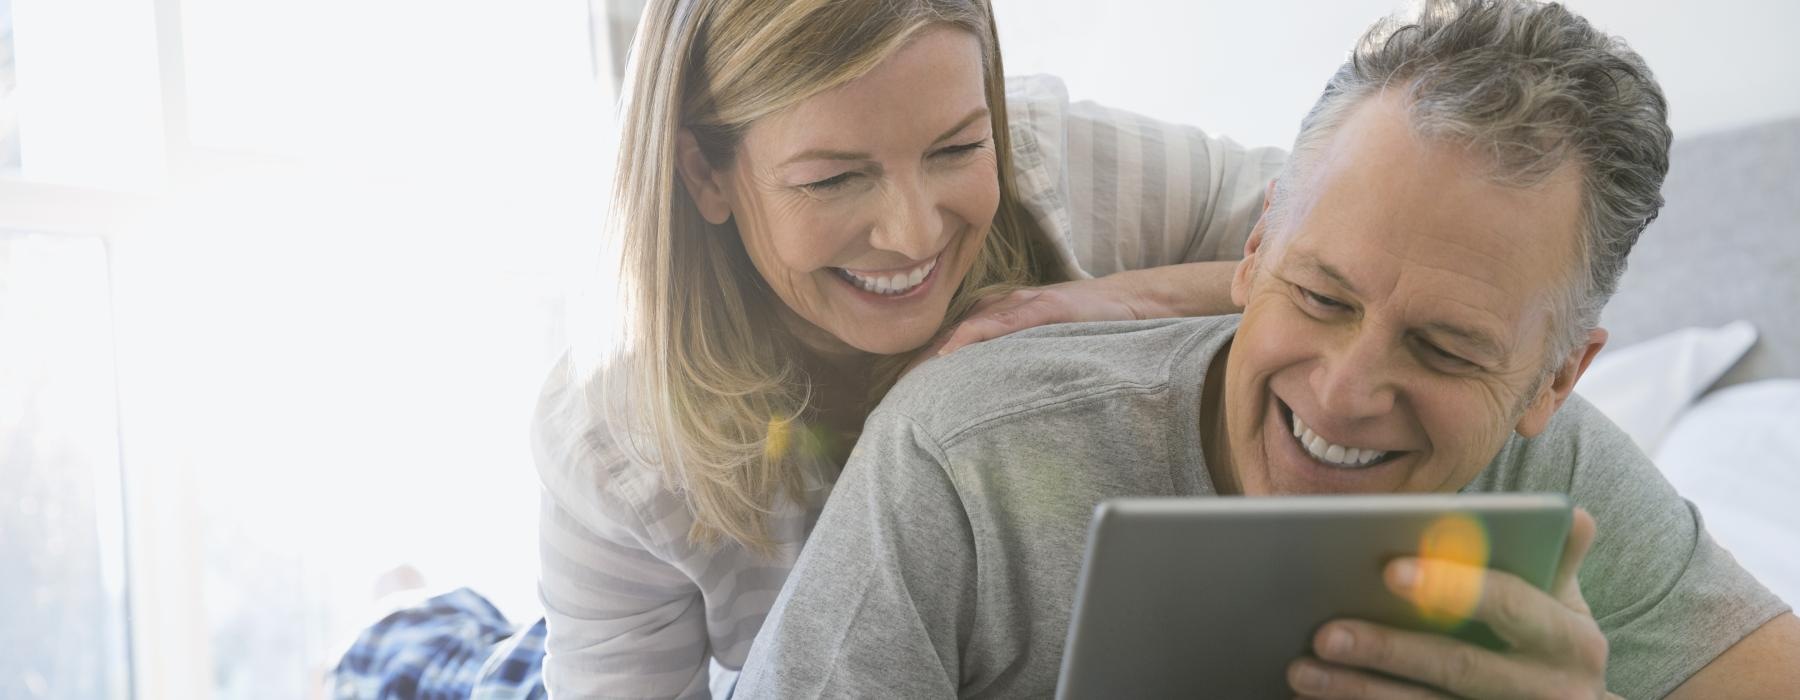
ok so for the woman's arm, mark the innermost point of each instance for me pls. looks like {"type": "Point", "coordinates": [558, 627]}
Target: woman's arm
{"type": "Point", "coordinates": [1184, 289]}
{"type": "Point", "coordinates": [622, 622]}
{"type": "Point", "coordinates": [1143, 193]}
{"type": "Point", "coordinates": [1155, 211]}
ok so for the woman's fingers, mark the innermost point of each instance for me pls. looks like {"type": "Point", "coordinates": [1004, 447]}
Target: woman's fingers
{"type": "Point", "coordinates": [1010, 314]}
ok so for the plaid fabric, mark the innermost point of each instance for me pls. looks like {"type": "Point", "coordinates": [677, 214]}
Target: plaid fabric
{"type": "Point", "coordinates": [455, 646]}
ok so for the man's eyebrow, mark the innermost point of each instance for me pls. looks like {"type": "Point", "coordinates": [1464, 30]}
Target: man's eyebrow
{"type": "Point", "coordinates": [830, 154]}
{"type": "Point", "coordinates": [1481, 342]}
{"type": "Point", "coordinates": [1307, 259]}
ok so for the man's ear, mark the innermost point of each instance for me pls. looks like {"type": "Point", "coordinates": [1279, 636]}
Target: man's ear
{"type": "Point", "coordinates": [706, 184]}
{"type": "Point", "coordinates": [1554, 392]}
{"type": "Point", "coordinates": [1246, 268]}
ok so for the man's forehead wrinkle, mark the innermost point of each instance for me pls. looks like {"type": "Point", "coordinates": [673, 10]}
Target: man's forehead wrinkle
{"type": "Point", "coordinates": [1465, 245]}
{"type": "Point", "coordinates": [1467, 282]}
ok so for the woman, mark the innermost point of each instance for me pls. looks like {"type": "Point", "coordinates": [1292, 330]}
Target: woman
{"type": "Point", "coordinates": [806, 192]}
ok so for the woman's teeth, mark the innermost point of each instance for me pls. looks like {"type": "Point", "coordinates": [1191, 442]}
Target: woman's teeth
{"type": "Point", "coordinates": [891, 284]}
{"type": "Point", "coordinates": [1335, 455]}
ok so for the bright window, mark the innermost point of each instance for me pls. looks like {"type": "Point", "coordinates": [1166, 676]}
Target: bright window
{"type": "Point", "coordinates": [61, 535]}
{"type": "Point", "coordinates": [342, 239]}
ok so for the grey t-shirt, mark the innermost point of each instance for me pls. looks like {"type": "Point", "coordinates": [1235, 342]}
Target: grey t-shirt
{"type": "Point", "coordinates": [945, 562]}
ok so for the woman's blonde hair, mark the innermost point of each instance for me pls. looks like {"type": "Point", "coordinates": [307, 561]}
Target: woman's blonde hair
{"type": "Point", "coordinates": [714, 394]}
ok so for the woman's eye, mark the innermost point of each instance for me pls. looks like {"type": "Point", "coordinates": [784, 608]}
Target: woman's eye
{"type": "Point", "coordinates": [962, 149]}
{"type": "Point", "coordinates": [1323, 302]}
{"type": "Point", "coordinates": [829, 183]}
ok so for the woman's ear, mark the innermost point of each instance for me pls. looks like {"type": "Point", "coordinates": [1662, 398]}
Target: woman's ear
{"type": "Point", "coordinates": [706, 184]}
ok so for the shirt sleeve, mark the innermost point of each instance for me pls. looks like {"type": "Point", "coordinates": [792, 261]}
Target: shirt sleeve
{"type": "Point", "coordinates": [1668, 597]}
{"type": "Point", "coordinates": [1121, 191]}
{"type": "Point", "coordinates": [622, 621]}
{"type": "Point", "coordinates": [883, 595]}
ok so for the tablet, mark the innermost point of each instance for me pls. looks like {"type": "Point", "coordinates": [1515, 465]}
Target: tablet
{"type": "Point", "coordinates": [1214, 597]}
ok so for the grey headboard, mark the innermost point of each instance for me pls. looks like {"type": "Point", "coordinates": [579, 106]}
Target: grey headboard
{"type": "Point", "coordinates": [1726, 247]}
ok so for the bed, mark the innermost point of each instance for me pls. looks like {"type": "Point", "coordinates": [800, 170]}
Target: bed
{"type": "Point", "coordinates": [1703, 364]}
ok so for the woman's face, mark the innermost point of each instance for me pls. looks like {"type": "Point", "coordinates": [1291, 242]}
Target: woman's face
{"type": "Point", "coordinates": [863, 207]}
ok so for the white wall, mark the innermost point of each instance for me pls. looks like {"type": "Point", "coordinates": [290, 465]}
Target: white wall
{"type": "Point", "coordinates": [1249, 70]}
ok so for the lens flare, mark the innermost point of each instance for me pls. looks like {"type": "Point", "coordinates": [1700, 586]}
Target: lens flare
{"type": "Point", "coordinates": [818, 442]}
{"type": "Point", "coordinates": [1447, 594]}
{"type": "Point", "coordinates": [775, 446]}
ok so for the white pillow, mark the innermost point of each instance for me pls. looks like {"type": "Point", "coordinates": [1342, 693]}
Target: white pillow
{"type": "Point", "coordinates": [1645, 387]}
{"type": "Point", "coordinates": [1736, 455]}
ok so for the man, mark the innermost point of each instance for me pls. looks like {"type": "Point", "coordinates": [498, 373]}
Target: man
{"type": "Point", "coordinates": [1419, 301]}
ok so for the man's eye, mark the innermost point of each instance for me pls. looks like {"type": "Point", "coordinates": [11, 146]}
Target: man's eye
{"type": "Point", "coordinates": [1323, 302]}
{"type": "Point", "coordinates": [829, 183]}
{"type": "Point", "coordinates": [1445, 355]}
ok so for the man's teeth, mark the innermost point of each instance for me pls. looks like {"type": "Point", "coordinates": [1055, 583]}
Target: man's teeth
{"type": "Point", "coordinates": [896, 283]}
{"type": "Point", "coordinates": [1337, 455]}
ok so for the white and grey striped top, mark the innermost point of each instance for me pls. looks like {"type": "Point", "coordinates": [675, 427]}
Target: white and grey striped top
{"type": "Point", "coordinates": [636, 610]}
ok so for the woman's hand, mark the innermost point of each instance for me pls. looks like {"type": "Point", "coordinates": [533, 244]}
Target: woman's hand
{"type": "Point", "coordinates": [1068, 302]}
{"type": "Point", "coordinates": [1191, 289]}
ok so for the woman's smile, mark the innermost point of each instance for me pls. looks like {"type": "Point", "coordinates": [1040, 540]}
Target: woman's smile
{"type": "Point", "coordinates": [891, 285]}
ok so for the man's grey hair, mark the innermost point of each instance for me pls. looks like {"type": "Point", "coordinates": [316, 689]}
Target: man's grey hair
{"type": "Point", "coordinates": [1532, 87]}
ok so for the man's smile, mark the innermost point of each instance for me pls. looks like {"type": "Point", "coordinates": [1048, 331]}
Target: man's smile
{"type": "Point", "coordinates": [1327, 452]}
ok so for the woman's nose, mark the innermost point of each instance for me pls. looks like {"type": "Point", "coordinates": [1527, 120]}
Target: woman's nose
{"type": "Point", "coordinates": [911, 224]}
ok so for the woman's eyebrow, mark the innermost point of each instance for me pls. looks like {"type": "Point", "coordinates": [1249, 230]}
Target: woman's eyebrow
{"type": "Point", "coordinates": [973, 115]}
{"type": "Point", "coordinates": [831, 154]}
{"type": "Point", "coordinates": [827, 154]}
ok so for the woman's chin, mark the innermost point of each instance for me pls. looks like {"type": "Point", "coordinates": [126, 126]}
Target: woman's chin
{"type": "Point", "coordinates": [889, 343]}
{"type": "Point", "coordinates": [889, 331]}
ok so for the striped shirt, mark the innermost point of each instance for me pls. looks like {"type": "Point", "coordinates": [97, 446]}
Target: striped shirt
{"type": "Point", "coordinates": [636, 610]}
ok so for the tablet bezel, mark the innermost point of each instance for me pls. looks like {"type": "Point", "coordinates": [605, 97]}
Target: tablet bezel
{"type": "Point", "coordinates": [1134, 602]}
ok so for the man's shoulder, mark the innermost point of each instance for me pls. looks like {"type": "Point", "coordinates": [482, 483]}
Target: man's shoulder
{"type": "Point", "coordinates": [1579, 444]}
{"type": "Point", "coordinates": [1050, 365]}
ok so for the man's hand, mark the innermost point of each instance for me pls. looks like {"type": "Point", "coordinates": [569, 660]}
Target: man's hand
{"type": "Point", "coordinates": [1555, 649]}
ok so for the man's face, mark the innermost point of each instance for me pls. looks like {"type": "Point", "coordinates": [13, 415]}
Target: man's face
{"type": "Point", "coordinates": [1396, 327]}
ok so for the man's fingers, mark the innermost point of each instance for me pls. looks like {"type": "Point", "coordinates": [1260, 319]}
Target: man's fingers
{"type": "Point", "coordinates": [1314, 679]}
{"type": "Point", "coordinates": [1450, 592]}
{"type": "Point", "coordinates": [1566, 586]}
{"type": "Point", "coordinates": [1433, 660]}
{"type": "Point", "coordinates": [1530, 620]}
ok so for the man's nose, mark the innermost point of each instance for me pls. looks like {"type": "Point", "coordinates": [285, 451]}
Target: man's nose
{"type": "Point", "coordinates": [910, 223]}
{"type": "Point", "coordinates": [1355, 381]}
